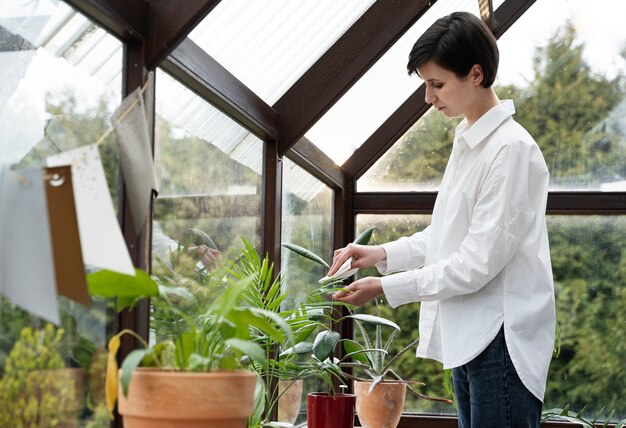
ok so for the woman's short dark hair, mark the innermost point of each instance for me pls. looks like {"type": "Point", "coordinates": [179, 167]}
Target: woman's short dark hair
{"type": "Point", "coordinates": [456, 42]}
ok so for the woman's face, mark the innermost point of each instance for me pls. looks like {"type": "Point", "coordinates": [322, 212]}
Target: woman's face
{"type": "Point", "coordinates": [451, 95]}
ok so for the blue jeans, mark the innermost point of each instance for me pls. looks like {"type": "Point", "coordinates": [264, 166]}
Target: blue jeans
{"type": "Point", "coordinates": [490, 394]}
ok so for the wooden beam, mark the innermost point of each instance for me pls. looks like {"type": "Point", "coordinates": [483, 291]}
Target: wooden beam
{"type": "Point", "coordinates": [126, 19]}
{"type": "Point", "coordinates": [191, 65]}
{"type": "Point", "coordinates": [308, 156]}
{"type": "Point", "coordinates": [559, 203]}
{"type": "Point", "coordinates": [343, 64]}
{"type": "Point", "coordinates": [415, 106]}
{"type": "Point", "coordinates": [169, 22]}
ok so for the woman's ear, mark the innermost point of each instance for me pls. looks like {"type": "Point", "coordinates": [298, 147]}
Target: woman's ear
{"type": "Point", "coordinates": [476, 74]}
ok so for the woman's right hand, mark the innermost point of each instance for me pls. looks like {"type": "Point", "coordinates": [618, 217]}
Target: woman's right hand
{"type": "Point", "coordinates": [363, 256]}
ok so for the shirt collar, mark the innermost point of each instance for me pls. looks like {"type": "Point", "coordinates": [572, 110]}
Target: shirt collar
{"type": "Point", "coordinates": [484, 126]}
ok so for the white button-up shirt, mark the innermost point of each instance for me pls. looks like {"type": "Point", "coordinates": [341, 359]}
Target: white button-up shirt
{"type": "Point", "coordinates": [484, 261]}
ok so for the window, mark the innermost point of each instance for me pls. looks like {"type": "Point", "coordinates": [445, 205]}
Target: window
{"type": "Point", "coordinates": [60, 84]}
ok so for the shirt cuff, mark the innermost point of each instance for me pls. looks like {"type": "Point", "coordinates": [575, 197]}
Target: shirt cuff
{"type": "Point", "coordinates": [400, 288]}
{"type": "Point", "coordinates": [398, 257]}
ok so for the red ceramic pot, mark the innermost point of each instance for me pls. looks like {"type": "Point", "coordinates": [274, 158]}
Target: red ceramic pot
{"type": "Point", "coordinates": [330, 411]}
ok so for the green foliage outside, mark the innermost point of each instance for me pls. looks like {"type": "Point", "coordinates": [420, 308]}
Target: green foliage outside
{"type": "Point", "coordinates": [35, 390]}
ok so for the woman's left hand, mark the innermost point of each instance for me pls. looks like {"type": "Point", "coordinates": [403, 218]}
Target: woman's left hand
{"type": "Point", "coordinates": [360, 292]}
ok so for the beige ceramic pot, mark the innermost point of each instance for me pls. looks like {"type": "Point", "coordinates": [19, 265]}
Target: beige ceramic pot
{"type": "Point", "coordinates": [382, 407]}
{"type": "Point", "coordinates": [168, 399]}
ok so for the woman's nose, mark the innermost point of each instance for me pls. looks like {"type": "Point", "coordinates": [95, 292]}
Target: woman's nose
{"type": "Point", "coordinates": [430, 97]}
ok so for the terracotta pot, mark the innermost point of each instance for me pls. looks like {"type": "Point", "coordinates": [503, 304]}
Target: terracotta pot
{"type": "Point", "coordinates": [382, 407]}
{"type": "Point", "coordinates": [330, 411]}
{"type": "Point", "coordinates": [289, 401]}
{"type": "Point", "coordinates": [169, 399]}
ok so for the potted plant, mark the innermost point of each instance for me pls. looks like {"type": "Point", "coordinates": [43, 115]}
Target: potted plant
{"type": "Point", "coordinates": [195, 373]}
{"type": "Point", "coordinates": [370, 358]}
{"type": "Point", "coordinates": [287, 364]}
{"type": "Point", "coordinates": [381, 395]}
{"type": "Point", "coordinates": [327, 409]}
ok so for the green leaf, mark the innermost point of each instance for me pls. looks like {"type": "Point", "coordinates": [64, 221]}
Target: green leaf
{"type": "Point", "coordinates": [306, 254]}
{"type": "Point", "coordinates": [298, 348]}
{"type": "Point", "coordinates": [106, 283]}
{"type": "Point", "coordinates": [373, 319]}
{"type": "Point", "coordinates": [354, 349]}
{"type": "Point", "coordinates": [131, 362]}
{"type": "Point", "coordinates": [254, 351]}
{"type": "Point", "coordinates": [325, 344]}
{"type": "Point", "coordinates": [365, 236]}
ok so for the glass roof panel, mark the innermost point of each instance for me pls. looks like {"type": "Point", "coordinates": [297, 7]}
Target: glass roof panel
{"type": "Point", "coordinates": [578, 119]}
{"type": "Point", "coordinates": [52, 56]}
{"type": "Point", "coordinates": [269, 44]}
{"type": "Point", "coordinates": [378, 93]}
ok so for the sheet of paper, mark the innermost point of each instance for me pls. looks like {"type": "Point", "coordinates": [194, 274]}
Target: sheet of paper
{"type": "Point", "coordinates": [68, 259]}
{"type": "Point", "coordinates": [26, 262]}
{"type": "Point", "coordinates": [101, 238]}
{"type": "Point", "coordinates": [344, 271]}
{"type": "Point", "coordinates": [133, 139]}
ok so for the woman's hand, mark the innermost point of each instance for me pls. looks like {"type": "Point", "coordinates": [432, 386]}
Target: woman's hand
{"type": "Point", "coordinates": [360, 292]}
{"type": "Point", "coordinates": [363, 256]}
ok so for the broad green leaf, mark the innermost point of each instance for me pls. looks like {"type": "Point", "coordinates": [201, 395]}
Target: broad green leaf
{"type": "Point", "coordinates": [365, 236]}
{"type": "Point", "coordinates": [354, 350]}
{"type": "Point", "coordinates": [254, 351]}
{"type": "Point", "coordinates": [131, 362]}
{"type": "Point", "coordinates": [306, 254]}
{"type": "Point", "coordinates": [325, 344]}
{"type": "Point", "coordinates": [373, 319]}
{"type": "Point", "coordinates": [298, 348]}
{"type": "Point", "coordinates": [106, 283]}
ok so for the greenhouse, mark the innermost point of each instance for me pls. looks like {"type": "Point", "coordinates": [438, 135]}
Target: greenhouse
{"type": "Point", "coordinates": [176, 177]}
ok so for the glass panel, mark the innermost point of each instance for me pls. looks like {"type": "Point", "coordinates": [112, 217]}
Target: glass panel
{"type": "Point", "coordinates": [307, 222]}
{"type": "Point", "coordinates": [589, 266]}
{"type": "Point", "coordinates": [268, 45]}
{"type": "Point", "coordinates": [208, 172]}
{"type": "Point", "coordinates": [378, 93]}
{"type": "Point", "coordinates": [561, 63]}
{"type": "Point", "coordinates": [588, 260]}
{"type": "Point", "coordinates": [59, 84]}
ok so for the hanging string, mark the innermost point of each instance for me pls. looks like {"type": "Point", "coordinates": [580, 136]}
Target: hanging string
{"type": "Point", "coordinates": [125, 113]}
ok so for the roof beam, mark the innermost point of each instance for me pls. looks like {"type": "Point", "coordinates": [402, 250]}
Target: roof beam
{"type": "Point", "coordinates": [343, 64]}
{"type": "Point", "coordinates": [169, 22]}
{"type": "Point", "coordinates": [415, 106]}
{"type": "Point", "coordinates": [317, 163]}
{"type": "Point", "coordinates": [126, 19]}
{"type": "Point", "coordinates": [191, 65]}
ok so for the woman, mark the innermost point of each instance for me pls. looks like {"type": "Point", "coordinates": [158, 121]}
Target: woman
{"type": "Point", "coordinates": [482, 268]}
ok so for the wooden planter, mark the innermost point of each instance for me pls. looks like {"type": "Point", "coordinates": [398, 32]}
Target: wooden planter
{"type": "Point", "coordinates": [168, 399]}
{"type": "Point", "coordinates": [381, 408]}
{"type": "Point", "coordinates": [330, 411]}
